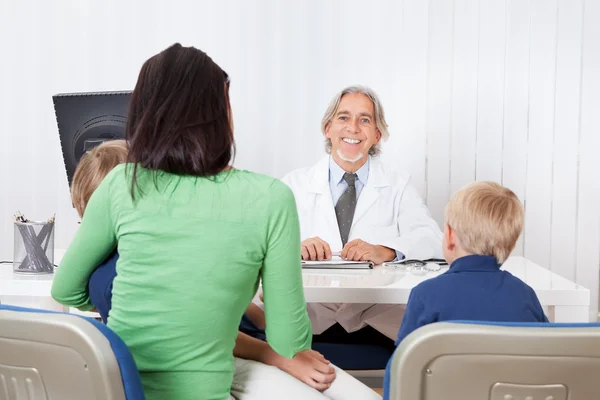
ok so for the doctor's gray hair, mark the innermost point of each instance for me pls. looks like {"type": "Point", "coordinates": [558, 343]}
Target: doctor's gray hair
{"type": "Point", "coordinates": [379, 115]}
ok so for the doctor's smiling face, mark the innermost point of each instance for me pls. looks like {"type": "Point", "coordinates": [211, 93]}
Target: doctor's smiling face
{"type": "Point", "coordinates": [352, 131]}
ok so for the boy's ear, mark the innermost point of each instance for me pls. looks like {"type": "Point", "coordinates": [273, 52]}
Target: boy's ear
{"type": "Point", "coordinates": [450, 237]}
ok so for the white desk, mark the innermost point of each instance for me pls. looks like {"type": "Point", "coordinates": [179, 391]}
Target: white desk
{"type": "Point", "coordinates": [30, 291]}
{"type": "Point", "coordinates": [566, 301]}
{"type": "Point", "coordinates": [27, 290]}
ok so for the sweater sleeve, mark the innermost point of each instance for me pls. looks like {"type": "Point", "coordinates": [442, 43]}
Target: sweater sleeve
{"type": "Point", "coordinates": [288, 326]}
{"type": "Point", "coordinates": [94, 241]}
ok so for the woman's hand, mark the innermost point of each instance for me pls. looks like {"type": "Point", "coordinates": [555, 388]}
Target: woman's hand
{"type": "Point", "coordinates": [309, 367]}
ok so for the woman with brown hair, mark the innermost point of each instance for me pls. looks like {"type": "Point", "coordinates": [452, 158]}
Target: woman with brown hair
{"type": "Point", "coordinates": [194, 236]}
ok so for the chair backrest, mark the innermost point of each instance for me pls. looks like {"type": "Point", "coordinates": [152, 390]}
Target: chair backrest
{"type": "Point", "coordinates": [478, 361]}
{"type": "Point", "coordinates": [51, 355]}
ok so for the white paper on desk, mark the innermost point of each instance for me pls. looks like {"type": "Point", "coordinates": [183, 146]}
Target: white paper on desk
{"type": "Point", "coordinates": [337, 263]}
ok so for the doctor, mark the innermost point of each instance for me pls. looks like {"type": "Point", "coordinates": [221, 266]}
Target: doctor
{"type": "Point", "coordinates": [351, 202]}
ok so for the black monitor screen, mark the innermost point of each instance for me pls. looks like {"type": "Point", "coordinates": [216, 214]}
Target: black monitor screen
{"type": "Point", "coordinates": [87, 119]}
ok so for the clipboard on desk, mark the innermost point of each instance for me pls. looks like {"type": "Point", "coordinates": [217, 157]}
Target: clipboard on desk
{"type": "Point", "coordinates": [337, 263]}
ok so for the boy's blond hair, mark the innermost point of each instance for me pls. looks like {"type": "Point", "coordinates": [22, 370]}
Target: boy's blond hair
{"type": "Point", "coordinates": [487, 219]}
{"type": "Point", "coordinates": [92, 168]}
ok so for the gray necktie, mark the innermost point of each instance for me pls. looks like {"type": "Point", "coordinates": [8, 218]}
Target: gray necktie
{"type": "Point", "coordinates": [344, 209]}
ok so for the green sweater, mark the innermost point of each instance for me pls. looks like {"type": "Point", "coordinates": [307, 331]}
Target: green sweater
{"type": "Point", "coordinates": [191, 254]}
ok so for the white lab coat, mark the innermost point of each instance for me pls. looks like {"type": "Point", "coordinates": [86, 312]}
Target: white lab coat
{"type": "Point", "coordinates": [389, 212]}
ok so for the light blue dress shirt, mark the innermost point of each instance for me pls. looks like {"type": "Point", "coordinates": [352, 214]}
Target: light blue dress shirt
{"type": "Point", "coordinates": [338, 185]}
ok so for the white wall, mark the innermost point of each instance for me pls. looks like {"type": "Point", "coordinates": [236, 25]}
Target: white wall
{"type": "Point", "coordinates": [501, 90]}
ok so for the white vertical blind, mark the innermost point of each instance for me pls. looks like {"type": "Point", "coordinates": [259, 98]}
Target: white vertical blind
{"type": "Point", "coordinates": [503, 90]}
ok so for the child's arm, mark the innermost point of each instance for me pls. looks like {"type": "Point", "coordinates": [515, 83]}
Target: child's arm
{"type": "Point", "coordinates": [256, 315]}
{"type": "Point", "coordinates": [94, 241]}
{"type": "Point", "coordinates": [541, 316]}
{"type": "Point", "coordinates": [415, 316]}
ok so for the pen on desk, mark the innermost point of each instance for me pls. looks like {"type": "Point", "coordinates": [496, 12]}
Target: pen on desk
{"type": "Point", "coordinates": [336, 254]}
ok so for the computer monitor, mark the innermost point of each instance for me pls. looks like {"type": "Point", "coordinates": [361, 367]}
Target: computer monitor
{"type": "Point", "coordinates": [87, 119]}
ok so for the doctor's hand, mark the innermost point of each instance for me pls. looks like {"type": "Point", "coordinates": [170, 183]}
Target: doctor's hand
{"type": "Point", "coordinates": [315, 249]}
{"type": "Point", "coordinates": [358, 250]}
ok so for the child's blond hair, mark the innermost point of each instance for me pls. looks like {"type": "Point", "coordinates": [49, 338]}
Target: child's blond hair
{"type": "Point", "coordinates": [487, 219]}
{"type": "Point", "coordinates": [92, 168]}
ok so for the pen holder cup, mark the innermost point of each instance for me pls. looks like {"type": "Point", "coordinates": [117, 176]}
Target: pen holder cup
{"type": "Point", "coordinates": [33, 248]}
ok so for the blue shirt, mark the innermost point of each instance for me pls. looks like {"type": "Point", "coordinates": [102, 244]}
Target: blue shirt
{"type": "Point", "coordinates": [100, 285]}
{"type": "Point", "coordinates": [474, 288]}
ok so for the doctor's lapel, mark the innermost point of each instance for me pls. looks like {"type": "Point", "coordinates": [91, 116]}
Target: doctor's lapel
{"type": "Point", "coordinates": [371, 192]}
{"type": "Point", "coordinates": [323, 203]}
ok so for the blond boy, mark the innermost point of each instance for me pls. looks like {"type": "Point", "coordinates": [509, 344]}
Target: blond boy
{"type": "Point", "coordinates": [92, 168]}
{"type": "Point", "coordinates": [483, 222]}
